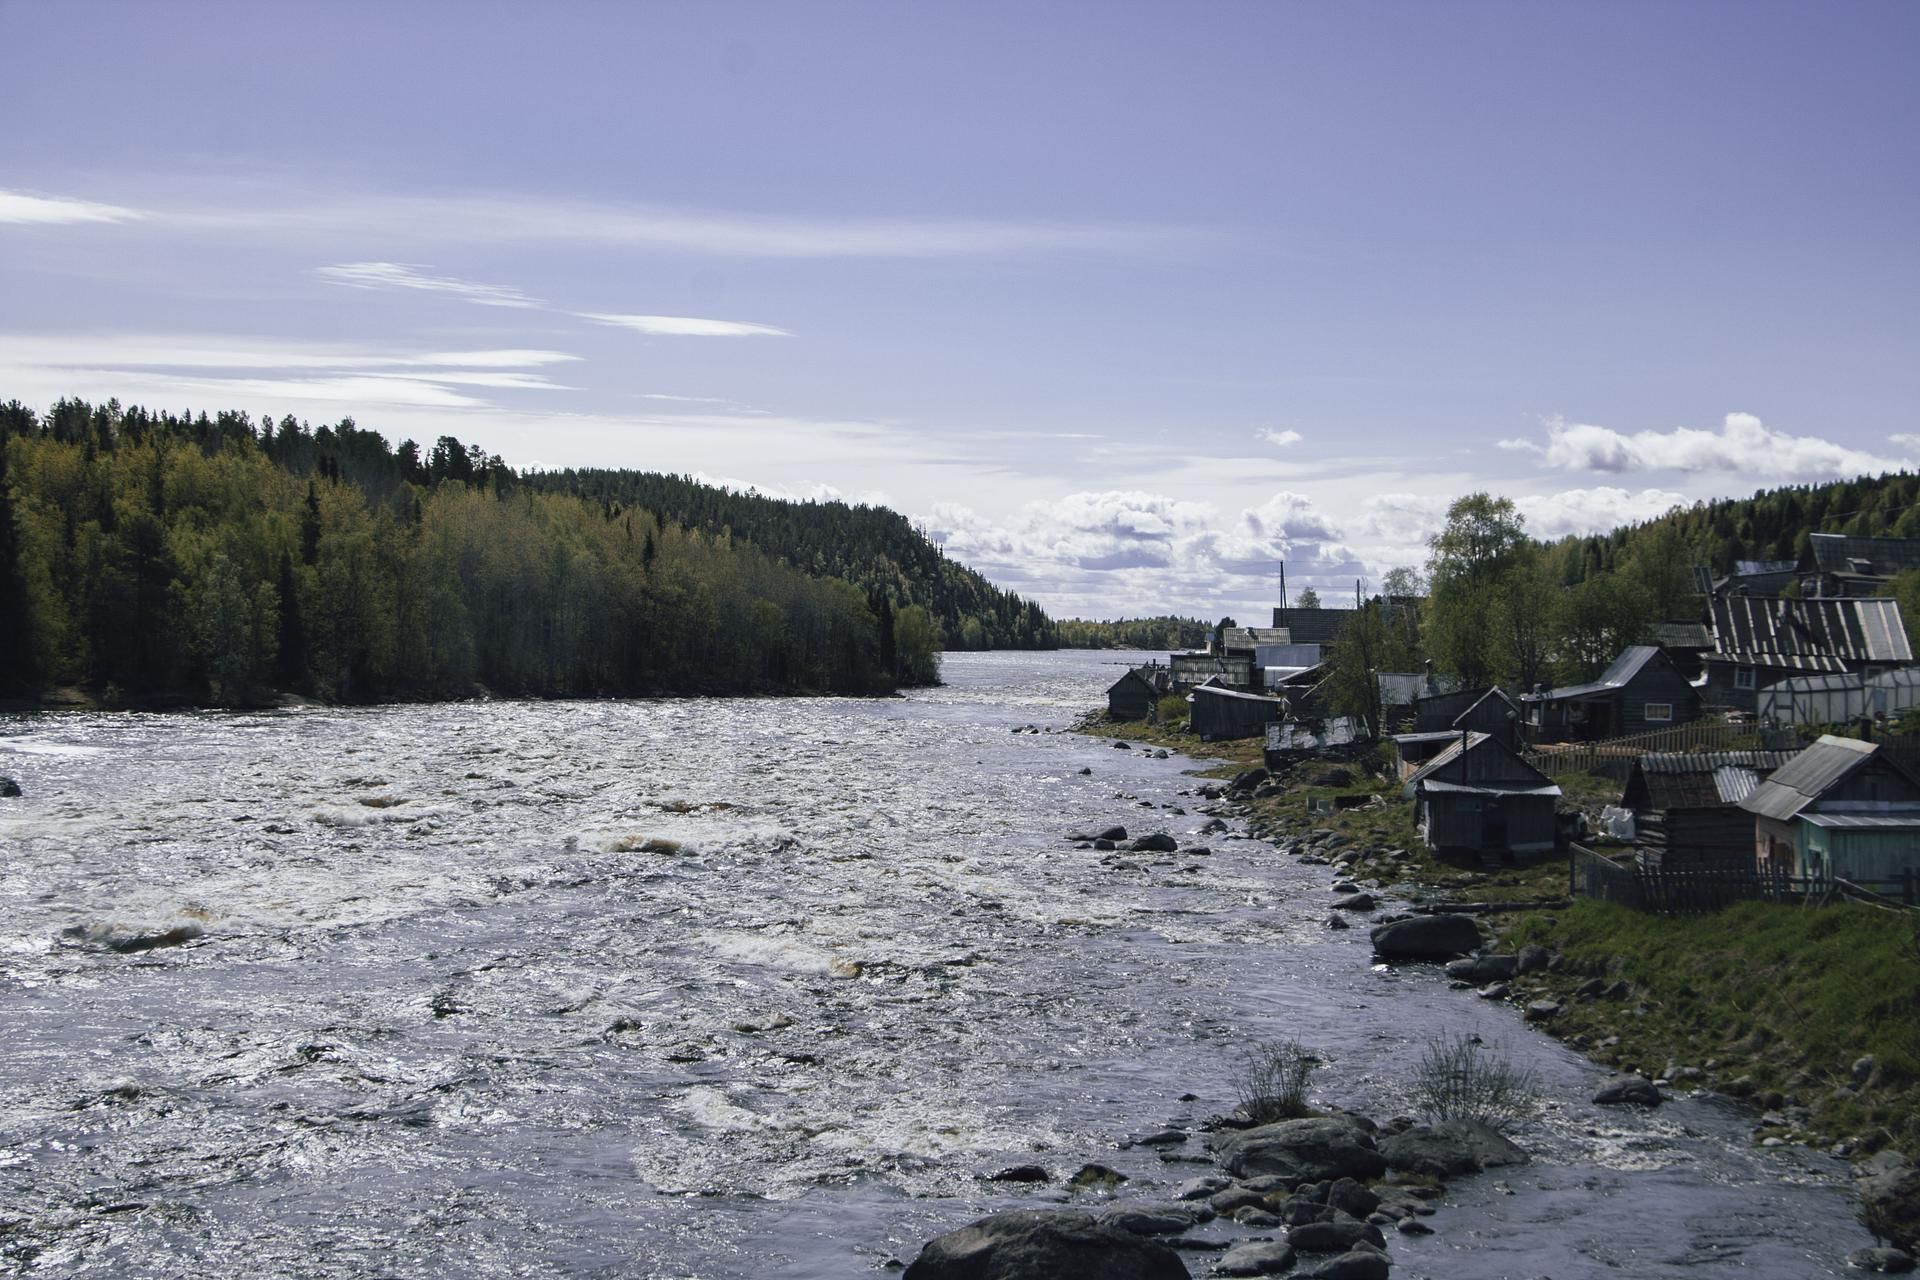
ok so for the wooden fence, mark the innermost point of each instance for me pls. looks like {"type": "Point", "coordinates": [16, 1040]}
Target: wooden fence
{"type": "Point", "coordinates": [1614, 757]}
{"type": "Point", "coordinates": [1693, 891]}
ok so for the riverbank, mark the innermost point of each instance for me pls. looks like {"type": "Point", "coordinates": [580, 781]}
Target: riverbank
{"type": "Point", "coordinates": [1809, 1014]}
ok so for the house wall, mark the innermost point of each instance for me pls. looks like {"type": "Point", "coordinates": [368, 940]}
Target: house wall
{"type": "Point", "coordinates": [1719, 836]}
{"type": "Point", "coordinates": [1777, 844]}
{"type": "Point", "coordinates": [1720, 690]}
{"type": "Point", "coordinates": [1864, 854]}
{"type": "Point", "coordinates": [1130, 700]}
{"type": "Point", "coordinates": [1491, 717]}
{"type": "Point", "coordinates": [1457, 820]}
{"type": "Point", "coordinates": [1215, 718]}
{"type": "Point", "coordinates": [1658, 681]}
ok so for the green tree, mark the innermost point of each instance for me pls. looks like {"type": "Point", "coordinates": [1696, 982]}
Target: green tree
{"type": "Point", "coordinates": [1309, 599]}
{"type": "Point", "coordinates": [916, 645]}
{"type": "Point", "coordinates": [1474, 561]}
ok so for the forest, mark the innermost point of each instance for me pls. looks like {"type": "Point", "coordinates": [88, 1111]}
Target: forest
{"type": "Point", "coordinates": [159, 559]}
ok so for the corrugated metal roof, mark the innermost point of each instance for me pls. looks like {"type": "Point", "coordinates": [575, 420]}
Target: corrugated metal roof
{"type": "Point", "coordinates": [1216, 691]}
{"type": "Point", "coordinates": [1297, 735]}
{"type": "Point", "coordinates": [1821, 634]}
{"type": "Point", "coordinates": [1618, 673]}
{"type": "Point", "coordinates": [1734, 784]}
{"type": "Point", "coordinates": [1681, 635]}
{"type": "Point", "coordinates": [1800, 781]}
{"type": "Point", "coordinates": [1882, 557]}
{"type": "Point", "coordinates": [1754, 568]}
{"type": "Point", "coordinates": [1859, 821]}
{"type": "Point", "coordinates": [1709, 761]}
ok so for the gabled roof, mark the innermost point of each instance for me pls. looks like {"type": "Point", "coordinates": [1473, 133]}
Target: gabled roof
{"type": "Point", "coordinates": [1820, 634]}
{"type": "Point", "coordinates": [1632, 660]}
{"type": "Point", "coordinates": [1495, 693]}
{"type": "Point", "coordinates": [1142, 675]}
{"type": "Point", "coordinates": [1808, 776]}
{"type": "Point", "coordinates": [1698, 779]}
{"type": "Point", "coordinates": [1482, 764]}
{"type": "Point", "coordinates": [1869, 557]}
{"type": "Point", "coordinates": [1681, 635]}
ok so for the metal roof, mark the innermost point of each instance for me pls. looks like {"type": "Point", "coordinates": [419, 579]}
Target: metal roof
{"type": "Point", "coordinates": [1461, 788]}
{"type": "Point", "coordinates": [1821, 634]}
{"type": "Point", "coordinates": [1298, 735]}
{"type": "Point", "coordinates": [1217, 691]}
{"type": "Point", "coordinates": [1732, 783]}
{"type": "Point", "coordinates": [1754, 568]}
{"type": "Point", "coordinates": [1881, 557]}
{"type": "Point", "coordinates": [1708, 761]}
{"type": "Point", "coordinates": [1618, 673]}
{"type": "Point", "coordinates": [1858, 821]}
{"type": "Point", "coordinates": [1800, 781]}
{"type": "Point", "coordinates": [1681, 635]}
{"type": "Point", "coordinates": [1414, 739]}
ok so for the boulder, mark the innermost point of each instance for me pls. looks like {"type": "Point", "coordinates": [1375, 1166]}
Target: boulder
{"type": "Point", "coordinates": [1334, 1237]}
{"type": "Point", "coordinates": [1350, 1197]}
{"type": "Point", "coordinates": [1096, 1175]}
{"type": "Point", "coordinates": [1481, 970]}
{"type": "Point", "coordinates": [1200, 1188]}
{"type": "Point", "coordinates": [1622, 1089]}
{"type": "Point", "coordinates": [1156, 1220]}
{"type": "Point", "coordinates": [1889, 1260]}
{"type": "Point", "coordinates": [1115, 834]}
{"type": "Point", "coordinates": [1355, 902]}
{"type": "Point", "coordinates": [1437, 937]}
{"type": "Point", "coordinates": [1021, 1173]}
{"type": "Point", "coordinates": [1543, 1010]}
{"type": "Point", "coordinates": [1255, 1258]}
{"type": "Point", "coordinates": [1338, 922]}
{"type": "Point", "coordinates": [1890, 1199]}
{"type": "Point", "coordinates": [1361, 1264]}
{"type": "Point", "coordinates": [1248, 780]}
{"type": "Point", "coordinates": [1044, 1245]}
{"type": "Point", "coordinates": [1534, 958]}
{"type": "Point", "coordinates": [1450, 1148]}
{"type": "Point", "coordinates": [1158, 842]}
{"type": "Point", "coordinates": [1310, 1150]}
{"type": "Point", "coordinates": [8, 787]}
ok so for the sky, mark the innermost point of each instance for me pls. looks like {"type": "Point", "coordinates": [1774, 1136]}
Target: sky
{"type": "Point", "coordinates": [1127, 305]}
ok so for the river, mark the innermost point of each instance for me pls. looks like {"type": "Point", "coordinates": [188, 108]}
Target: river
{"type": "Point", "coordinates": [715, 988]}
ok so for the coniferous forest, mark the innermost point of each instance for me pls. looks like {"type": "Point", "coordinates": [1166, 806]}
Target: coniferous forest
{"type": "Point", "coordinates": [163, 559]}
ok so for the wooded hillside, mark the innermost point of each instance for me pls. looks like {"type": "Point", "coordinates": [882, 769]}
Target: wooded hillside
{"type": "Point", "coordinates": [161, 558]}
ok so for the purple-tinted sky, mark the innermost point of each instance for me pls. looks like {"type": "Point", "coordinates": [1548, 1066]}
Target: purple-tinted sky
{"type": "Point", "coordinates": [1126, 302]}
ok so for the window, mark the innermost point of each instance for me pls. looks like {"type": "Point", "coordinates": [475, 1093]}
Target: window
{"type": "Point", "coordinates": [1659, 711]}
{"type": "Point", "coordinates": [1743, 677]}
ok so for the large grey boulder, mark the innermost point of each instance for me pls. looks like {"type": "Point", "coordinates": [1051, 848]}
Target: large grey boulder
{"type": "Point", "coordinates": [1890, 1199]}
{"type": "Point", "coordinates": [1255, 1258]}
{"type": "Point", "coordinates": [1480, 970]}
{"type": "Point", "coordinates": [1449, 1148]}
{"type": "Point", "coordinates": [1311, 1150]}
{"type": "Point", "coordinates": [1438, 937]}
{"type": "Point", "coordinates": [1156, 1220]}
{"type": "Point", "coordinates": [8, 787]}
{"type": "Point", "coordinates": [1361, 1264]}
{"type": "Point", "coordinates": [1044, 1245]}
{"type": "Point", "coordinates": [1334, 1237]}
{"type": "Point", "coordinates": [1636, 1089]}
{"type": "Point", "coordinates": [1158, 842]}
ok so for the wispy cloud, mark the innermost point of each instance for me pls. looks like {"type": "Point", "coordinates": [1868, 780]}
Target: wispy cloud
{"type": "Point", "coordinates": [1279, 438]}
{"type": "Point", "coordinates": [390, 276]}
{"type": "Point", "coordinates": [25, 208]}
{"type": "Point", "coordinates": [683, 326]}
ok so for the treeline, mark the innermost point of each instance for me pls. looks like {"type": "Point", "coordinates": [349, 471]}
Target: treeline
{"type": "Point", "coordinates": [872, 547]}
{"type": "Point", "coordinates": [1502, 608]}
{"type": "Point", "coordinates": [177, 558]}
{"type": "Point", "coordinates": [1166, 632]}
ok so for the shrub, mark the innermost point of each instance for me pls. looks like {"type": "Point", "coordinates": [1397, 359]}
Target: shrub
{"type": "Point", "coordinates": [1273, 1083]}
{"type": "Point", "coordinates": [1171, 711]}
{"type": "Point", "coordinates": [1459, 1078]}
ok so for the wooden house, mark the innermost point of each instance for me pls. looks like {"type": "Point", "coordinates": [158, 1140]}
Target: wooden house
{"type": "Point", "coordinates": [1188, 670]}
{"type": "Point", "coordinates": [1684, 642]}
{"type": "Point", "coordinates": [1219, 713]}
{"type": "Point", "coordinates": [1758, 642]}
{"type": "Point", "coordinates": [1750, 578]}
{"type": "Point", "coordinates": [1847, 566]}
{"type": "Point", "coordinates": [1311, 626]}
{"type": "Point", "coordinates": [1839, 808]}
{"type": "Point", "coordinates": [1136, 695]}
{"type": "Point", "coordinates": [1479, 796]}
{"type": "Point", "coordinates": [1642, 690]}
{"type": "Point", "coordinates": [1440, 718]}
{"type": "Point", "coordinates": [1686, 806]}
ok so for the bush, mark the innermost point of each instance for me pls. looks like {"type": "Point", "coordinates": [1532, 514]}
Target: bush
{"type": "Point", "coordinates": [1273, 1083]}
{"type": "Point", "coordinates": [1459, 1078]}
{"type": "Point", "coordinates": [1171, 711]}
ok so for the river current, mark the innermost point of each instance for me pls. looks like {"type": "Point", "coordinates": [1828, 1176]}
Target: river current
{"type": "Point", "coordinates": [716, 988]}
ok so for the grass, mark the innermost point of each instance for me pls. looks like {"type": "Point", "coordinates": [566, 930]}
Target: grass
{"type": "Point", "coordinates": [1241, 753]}
{"type": "Point", "coordinates": [1767, 997]}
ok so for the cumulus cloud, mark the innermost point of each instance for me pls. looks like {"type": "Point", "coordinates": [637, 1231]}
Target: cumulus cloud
{"type": "Point", "coordinates": [1906, 440]}
{"type": "Point", "coordinates": [24, 208]}
{"type": "Point", "coordinates": [684, 326]}
{"type": "Point", "coordinates": [1279, 438]}
{"type": "Point", "coordinates": [1595, 510]}
{"type": "Point", "coordinates": [1742, 445]}
{"type": "Point", "coordinates": [389, 276]}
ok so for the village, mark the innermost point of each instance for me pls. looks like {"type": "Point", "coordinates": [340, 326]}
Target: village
{"type": "Point", "coordinates": [1755, 747]}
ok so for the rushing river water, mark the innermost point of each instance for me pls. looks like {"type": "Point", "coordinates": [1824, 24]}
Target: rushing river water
{"type": "Point", "coordinates": [704, 988]}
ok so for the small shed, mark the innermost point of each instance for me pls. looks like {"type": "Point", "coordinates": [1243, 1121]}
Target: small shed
{"type": "Point", "coordinates": [1642, 690]}
{"type": "Point", "coordinates": [1479, 796]}
{"type": "Point", "coordinates": [1136, 695]}
{"type": "Point", "coordinates": [1839, 808]}
{"type": "Point", "coordinates": [1219, 713]}
{"type": "Point", "coordinates": [1686, 805]}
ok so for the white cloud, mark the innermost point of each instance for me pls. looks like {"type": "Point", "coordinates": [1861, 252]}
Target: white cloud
{"type": "Point", "coordinates": [1743, 445]}
{"type": "Point", "coordinates": [1280, 438]}
{"type": "Point", "coordinates": [1596, 510]}
{"type": "Point", "coordinates": [659, 395]}
{"type": "Point", "coordinates": [1520, 446]}
{"type": "Point", "coordinates": [184, 351]}
{"type": "Point", "coordinates": [684, 326]}
{"type": "Point", "coordinates": [387, 276]}
{"type": "Point", "coordinates": [23, 208]}
{"type": "Point", "coordinates": [1906, 440]}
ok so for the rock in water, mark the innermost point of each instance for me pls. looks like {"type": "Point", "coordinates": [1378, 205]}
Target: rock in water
{"type": "Point", "coordinates": [8, 787]}
{"type": "Point", "coordinates": [1629, 1089]}
{"type": "Point", "coordinates": [1448, 1148]}
{"type": "Point", "coordinates": [1890, 1199]}
{"type": "Point", "coordinates": [1426, 938]}
{"type": "Point", "coordinates": [1361, 1264]}
{"type": "Point", "coordinates": [1311, 1150]}
{"type": "Point", "coordinates": [1044, 1245]}
{"type": "Point", "coordinates": [1259, 1258]}
{"type": "Point", "coordinates": [1158, 842]}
